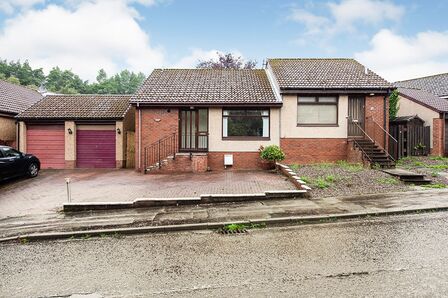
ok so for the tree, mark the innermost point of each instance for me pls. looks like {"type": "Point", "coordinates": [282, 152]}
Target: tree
{"type": "Point", "coordinates": [67, 82]}
{"type": "Point", "coordinates": [227, 61]}
{"type": "Point", "coordinates": [393, 104]}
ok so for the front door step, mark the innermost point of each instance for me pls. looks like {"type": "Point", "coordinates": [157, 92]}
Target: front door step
{"type": "Point", "coordinates": [408, 176]}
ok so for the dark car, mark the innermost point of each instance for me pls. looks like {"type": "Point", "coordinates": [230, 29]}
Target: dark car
{"type": "Point", "coordinates": [14, 163]}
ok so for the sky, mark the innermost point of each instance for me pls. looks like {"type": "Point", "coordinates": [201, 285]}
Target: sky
{"type": "Point", "coordinates": [398, 39]}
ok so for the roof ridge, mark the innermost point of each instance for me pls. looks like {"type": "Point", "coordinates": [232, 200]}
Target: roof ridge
{"type": "Point", "coordinates": [90, 94]}
{"type": "Point", "coordinates": [424, 77]}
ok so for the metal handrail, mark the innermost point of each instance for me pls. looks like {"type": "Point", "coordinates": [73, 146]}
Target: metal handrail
{"type": "Point", "coordinates": [362, 150]}
{"type": "Point", "coordinates": [160, 149]}
{"type": "Point", "coordinates": [373, 120]}
{"type": "Point", "coordinates": [379, 145]}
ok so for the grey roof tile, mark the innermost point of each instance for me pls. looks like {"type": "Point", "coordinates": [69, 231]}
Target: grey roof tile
{"type": "Point", "coordinates": [14, 98]}
{"type": "Point", "coordinates": [325, 73]}
{"type": "Point", "coordinates": [425, 98]}
{"type": "Point", "coordinates": [436, 84]}
{"type": "Point", "coordinates": [78, 107]}
{"type": "Point", "coordinates": [206, 86]}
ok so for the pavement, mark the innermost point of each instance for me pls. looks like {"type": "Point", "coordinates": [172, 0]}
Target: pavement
{"type": "Point", "coordinates": [397, 256]}
{"type": "Point", "coordinates": [200, 216]}
{"type": "Point", "coordinates": [47, 192]}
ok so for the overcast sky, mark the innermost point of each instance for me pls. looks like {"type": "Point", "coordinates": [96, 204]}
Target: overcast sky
{"type": "Point", "coordinates": [398, 39]}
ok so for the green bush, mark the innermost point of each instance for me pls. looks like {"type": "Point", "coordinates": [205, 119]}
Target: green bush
{"type": "Point", "coordinates": [272, 153]}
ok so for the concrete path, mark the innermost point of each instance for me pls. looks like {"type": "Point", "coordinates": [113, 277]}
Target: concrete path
{"type": "Point", "coordinates": [228, 212]}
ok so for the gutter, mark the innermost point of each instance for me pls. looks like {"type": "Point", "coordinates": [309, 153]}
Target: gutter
{"type": "Point", "coordinates": [139, 136]}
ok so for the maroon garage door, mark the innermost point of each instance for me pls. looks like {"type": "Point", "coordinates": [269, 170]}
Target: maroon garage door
{"type": "Point", "coordinates": [47, 143]}
{"type": "Point", "coordinates": [95, 148]}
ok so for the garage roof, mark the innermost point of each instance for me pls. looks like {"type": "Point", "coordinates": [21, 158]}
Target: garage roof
{"type": "Point", "coordinates": [78, 107]}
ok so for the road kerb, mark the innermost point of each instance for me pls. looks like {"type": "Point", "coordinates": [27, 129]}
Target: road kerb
{"type": "Point", "coordinates": [290, 220]}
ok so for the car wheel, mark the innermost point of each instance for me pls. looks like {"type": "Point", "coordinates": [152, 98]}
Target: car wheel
{"type": "Point", "coordinates": [33, 170]}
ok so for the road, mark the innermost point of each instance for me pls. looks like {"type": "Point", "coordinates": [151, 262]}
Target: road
{"type": "Point", "coordinates": [394, 256]}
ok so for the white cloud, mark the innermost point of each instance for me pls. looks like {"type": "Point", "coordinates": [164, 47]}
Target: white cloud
{"type": "Point", "coordinates": [195, 56]}
{"type": "Point", "coordinates": [93, 35]}
{"type": "Point", "coordinates": [347, 14]}
{"type": "Point", "coordinates": [313, 23]}
{"type": "Point", "coordinates": [397, 57]}
{"type": "Point", "coordinates": [9, 6]}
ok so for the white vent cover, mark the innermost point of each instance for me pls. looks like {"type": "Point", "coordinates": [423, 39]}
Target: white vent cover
{"type": "Point", "coordinates": [228, 159]}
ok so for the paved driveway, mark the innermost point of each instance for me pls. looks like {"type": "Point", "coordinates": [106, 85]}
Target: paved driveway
{"type": "Point", "coordinates": [47, 192]}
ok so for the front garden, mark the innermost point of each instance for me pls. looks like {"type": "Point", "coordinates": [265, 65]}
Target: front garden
{"type": "Point", "coordinates": [347, 179]}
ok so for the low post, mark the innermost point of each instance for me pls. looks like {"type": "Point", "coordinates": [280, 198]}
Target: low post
{"type": "Point", "coordinates": [69, 193]}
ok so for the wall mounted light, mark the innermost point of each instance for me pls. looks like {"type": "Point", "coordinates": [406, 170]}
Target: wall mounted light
{"type": "Point", "coordinates": [118, 131]}
{"type": "Point", "coordinates": [70, 132]}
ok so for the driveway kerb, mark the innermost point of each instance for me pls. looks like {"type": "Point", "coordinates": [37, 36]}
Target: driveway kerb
{"type": "Point", "coordinates": [216, 225]}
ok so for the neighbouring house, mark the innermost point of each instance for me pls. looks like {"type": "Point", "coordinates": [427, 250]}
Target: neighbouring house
{"type": "Point", "coordinates": [431, 108]}
{"type": "Point", "coordinates": [316, 110]}
{"type": "Point", "coordinates": [13, 100]}
{"type": "Point", "coordinates": [78, 131]}
{"type": "Point", "coordinates": [435, 84]}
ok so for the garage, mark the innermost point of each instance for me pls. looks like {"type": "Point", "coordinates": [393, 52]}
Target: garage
{"type": "Point", "coordinates": [95, 146]}
{"type": "Point", "coordinates": [47, 143]}
{"type": "Point", "coordinates": [79, 131]}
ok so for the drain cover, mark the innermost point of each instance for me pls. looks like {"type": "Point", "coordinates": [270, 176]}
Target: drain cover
{"type": "Point", "coordinates": [231, 232]}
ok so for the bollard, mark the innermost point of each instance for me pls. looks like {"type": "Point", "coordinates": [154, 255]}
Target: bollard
{"type": "Point", "coordinates": [69, 194]}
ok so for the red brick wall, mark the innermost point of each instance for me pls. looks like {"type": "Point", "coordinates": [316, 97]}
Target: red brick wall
{"type": "Point", "coordinates": [375, 110]}
{"type": "Point", "coordinates": [156, 124]}
{"type": "Point", "coordinates": [306, 151]}
{"type": "Point", "coordinates": [438, 139]}
{"type": "Point", "coordinates": [241, 161]}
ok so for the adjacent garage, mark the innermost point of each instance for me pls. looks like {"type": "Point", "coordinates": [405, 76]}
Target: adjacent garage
{"type": "Point", "coordinates": [78, 131]}
{"type": "Point", "coordinates": [47, 142]}
{"type": "Point", "coordinates": [95, 146]}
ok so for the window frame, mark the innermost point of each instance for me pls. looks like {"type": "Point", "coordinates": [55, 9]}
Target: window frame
{"type": "Point", "coordinates": [336, 103]}
{"type": "Point", "coordinates": [246, 138]}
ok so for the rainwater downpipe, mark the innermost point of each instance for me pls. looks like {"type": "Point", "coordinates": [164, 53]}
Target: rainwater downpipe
{"type": "Point", "coordinates": [385, 119]}
{"type": "Point", "coordinates": [139, 136]}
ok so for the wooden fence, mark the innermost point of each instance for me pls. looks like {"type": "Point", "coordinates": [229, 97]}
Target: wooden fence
{"type": "Point", "coordinates": [413, 140]}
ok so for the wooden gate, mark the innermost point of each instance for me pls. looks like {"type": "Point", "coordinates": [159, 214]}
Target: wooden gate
{"type": "Point", "coordinates": [412, 136]}
{"type": "Point", "coordinates": [130, 149]}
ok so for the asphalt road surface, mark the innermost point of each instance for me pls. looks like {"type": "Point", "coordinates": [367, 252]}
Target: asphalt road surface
{"type": "Point", "coordinates": [397, 256]}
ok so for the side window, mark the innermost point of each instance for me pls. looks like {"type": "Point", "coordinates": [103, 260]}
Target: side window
{"type": "Point", "coordinates": [8, 152]}
{"type": "Point", "coordinates": [1, 152]}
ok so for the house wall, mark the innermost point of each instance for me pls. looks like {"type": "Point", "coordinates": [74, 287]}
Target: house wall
{"type": "Point", "coordinates": [218, 144]}
{"type": "Point", "coordinates": [70, 145]}
{"type": "Point", "coordinates": [22, 136]}
{"type": "Point", "coordinates": [289, 128]}
{"type": "Point", "coordinates": [374, 110]}
{"type": "Point", "coordinates": [156, 123]}
{"type": "Point", "coordinates": [408, 107]}
{"type": "Point", "coordinates": [438, 137]}
{"type": "Point", "coordinates": [7, 129]}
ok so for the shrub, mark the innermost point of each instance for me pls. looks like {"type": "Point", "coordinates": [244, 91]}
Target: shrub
{"type": "Point", "coordinates": [272, 153]}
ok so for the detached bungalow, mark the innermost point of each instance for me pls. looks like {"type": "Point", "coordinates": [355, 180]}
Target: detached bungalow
{"type": "Point", "coordinates": [77, 131]}
{"type": "Point", "coordinates": [13, 100]}
{"type": "Point", "coordinates": [315, 109]}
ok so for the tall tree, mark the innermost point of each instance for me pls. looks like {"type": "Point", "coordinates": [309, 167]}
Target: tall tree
{"type": "Point", "coordinates": [227, 61]}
